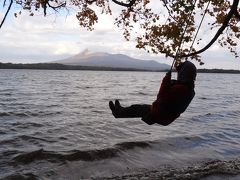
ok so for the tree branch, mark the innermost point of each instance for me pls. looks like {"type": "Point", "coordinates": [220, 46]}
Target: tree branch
{"type": "Point", "coordinates": [236, 13]}
{"type": "Point", "coordinates": [53, 7]}
{"type": "Point", "coordinates": [169, 12]}
{"type": "Point", "coordinates": [5, 16]}
{"type": "Point", "coordinates": [125, 4]}
{"type": "Point", "coordinates": [91, 1]}
{"type": "Point", "coordinates": [4, 3]}
{"type": "Point", "coordinates": [56, 7]}
{"type": "Point", "coordinates": [220, 30]}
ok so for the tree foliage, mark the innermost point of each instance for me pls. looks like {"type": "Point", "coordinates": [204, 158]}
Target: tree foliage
{"type": "Point", "coordinates": [158, 26]}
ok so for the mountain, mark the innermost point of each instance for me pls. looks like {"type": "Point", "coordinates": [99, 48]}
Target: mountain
{"type": "Point", "coordinates": [102, 59]}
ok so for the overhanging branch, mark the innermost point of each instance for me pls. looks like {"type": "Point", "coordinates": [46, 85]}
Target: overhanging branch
{"type": "Point", "coordinates": [232, 12]}
{"type": "Point", "coordinates": [46, 3]}
{"type": "Point", "coordinates": [56, 7]}
{"type": "Point", "coordinates": [125, 4]}
{"type": "Point", "coordinates": [91, 1]}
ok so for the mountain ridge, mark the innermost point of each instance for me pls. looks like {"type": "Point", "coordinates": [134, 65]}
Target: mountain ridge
{"type": "Point", "coordinates": [103, 59]}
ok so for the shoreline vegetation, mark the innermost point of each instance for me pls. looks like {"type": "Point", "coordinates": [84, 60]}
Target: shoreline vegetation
{"type": "Point", "coordinates": [57, 66]}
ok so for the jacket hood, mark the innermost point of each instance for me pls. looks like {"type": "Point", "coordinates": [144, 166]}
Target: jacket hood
{"type": "Point", "coordinates": [187, 72]}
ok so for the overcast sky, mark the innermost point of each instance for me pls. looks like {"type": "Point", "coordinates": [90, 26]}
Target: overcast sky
{"type": "Point", "coordinates": [42, 39]}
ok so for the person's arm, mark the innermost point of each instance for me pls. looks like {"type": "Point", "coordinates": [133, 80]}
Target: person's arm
{"type": "Point", "coordinates": [163, 91]}
{"type": "Point", "coordinates": [166, 83]}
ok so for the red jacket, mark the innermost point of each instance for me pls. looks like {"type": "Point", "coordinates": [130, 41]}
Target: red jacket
{"type": "Point", "coordinates": [172, 100]}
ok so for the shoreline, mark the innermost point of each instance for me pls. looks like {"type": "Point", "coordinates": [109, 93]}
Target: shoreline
{"type": "Point", "coordinates": [56, 66]}
{"type": "Point", "coordinates": [214, 169]}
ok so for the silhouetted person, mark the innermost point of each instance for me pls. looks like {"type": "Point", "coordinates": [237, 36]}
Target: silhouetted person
{"type": "Point", "coordinates": [173, 99]}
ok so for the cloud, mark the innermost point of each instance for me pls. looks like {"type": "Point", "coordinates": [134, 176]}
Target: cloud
{"type": "Point", "coordinates": [37, 36]}
{"type": "Point", "coordinates": [42, 38]}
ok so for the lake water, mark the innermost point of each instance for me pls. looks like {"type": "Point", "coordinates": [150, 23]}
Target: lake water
{"type": "Point", "coordinates": [57, 125]}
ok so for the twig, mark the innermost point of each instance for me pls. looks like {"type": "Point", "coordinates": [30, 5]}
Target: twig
{"type": "Point", "coordinates": [56, 7]}
{"type": "Point", "coordinates": [169, 12]}
{"type": "Point", "coordinates": [91, 1]}
{"type": "Point", "coordinates": [4, 3]}
{"type": "Point", "coordinates": [125, 4]}
{"type": "Point", "coordinates": [236, 13]}
{"type": "Point", "coordinates": [5, 16]}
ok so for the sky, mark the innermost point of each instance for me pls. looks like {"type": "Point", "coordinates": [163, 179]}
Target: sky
{"type": "Point", "coordinates": [57, 36]}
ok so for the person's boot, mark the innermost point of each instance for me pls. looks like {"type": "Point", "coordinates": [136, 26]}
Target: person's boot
{"type": "Point", "coordinates": [117, 109]}
{"type": "Point", "coordinates": [112, 107]}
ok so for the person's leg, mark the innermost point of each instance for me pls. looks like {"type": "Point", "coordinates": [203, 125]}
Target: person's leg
{"type": "Point", "coordinates": [133, 111]}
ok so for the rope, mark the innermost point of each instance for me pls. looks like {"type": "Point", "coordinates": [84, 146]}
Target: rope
{"type": "Point", "coordinates": [191, 47]}
{"type": "Point", "coordinates": [195, 37]}
{"type": "Point", "coordinates": [181, 39]}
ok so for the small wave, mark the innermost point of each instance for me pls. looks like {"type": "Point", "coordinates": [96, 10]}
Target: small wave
{"type": "Point", "coordinates": [2, 114]}
{"type": "Point", "coordinates": [18, 114]}
{"type": "Point", "coordinates": [71, 156]}
{"type": "Point", "coordinates": [27, 138]}
{"type": "Point", "coordinates": [131, 145]}
{"type": "Point", "coordinates": [144, 94]}
{"type": "Point", "coordinates": [26, 124]}
{"type": "Point", "coordinates": [18, 176]}
{"type": "Point", "coordinates": [204, 98]}
{"type": "Point", "coordinates": [6, 94]}
{"type": "Point", "coordinates": [87, 107]}
{"type": "Point", "coordinates": [139, 93]}
{"type": "Point", "coordinates": [9, 153]}
{"type": "Point", "coordinates": [177, 143]}
{"type": "Point", "coordinates": [98, 111]}
{"type": "Point", "coordinates": [33, 124]}
{"type": "Point", "coordinates": [75, 155]}
{"type": "Point", "coordinates": [2, 132]}
{"type": "Point", "coordinates": [8, 141]}
{"type": "Point", "coordinates": [52, 105]}
{"type": "Point", "coordinates": [217, 116]}
{"type": "Point", "coordinates": [32, 138]}
{"type": "Point", "coordinates": [28, 114]}
{"type": "Point", "coordinates": [217, 168]}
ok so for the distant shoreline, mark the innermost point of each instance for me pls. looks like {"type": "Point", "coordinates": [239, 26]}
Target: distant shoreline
{"type": "Point", "coordinates": [57, 66]}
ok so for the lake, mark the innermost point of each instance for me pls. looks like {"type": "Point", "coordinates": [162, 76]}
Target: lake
{"type": "Point", "coordinates": [57, 125]}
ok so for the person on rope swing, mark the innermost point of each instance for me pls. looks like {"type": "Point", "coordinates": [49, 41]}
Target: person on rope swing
{"type": "Point", "coordinates": [173, 98]}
